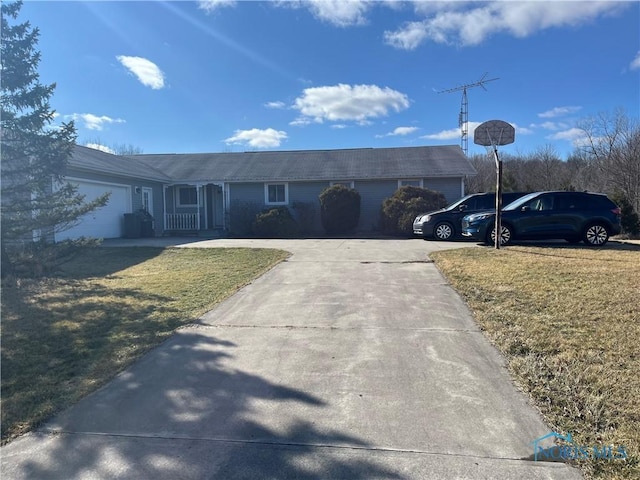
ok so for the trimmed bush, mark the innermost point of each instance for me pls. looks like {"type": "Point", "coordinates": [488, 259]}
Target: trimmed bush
{"type": "Point", "coordinates": [399, 210]}
{"type": "Point", "coordinates": [242, 215]}
{"type": "Point", "coordinates": [275, 222]}
{"type": "Point", "coordinates": [339, 209]}
{"type": "Point", "coordinates": [305, 213]}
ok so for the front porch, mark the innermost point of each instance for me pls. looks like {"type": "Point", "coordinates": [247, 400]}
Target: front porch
{"type": "Point", "coordinates": [194, 208]}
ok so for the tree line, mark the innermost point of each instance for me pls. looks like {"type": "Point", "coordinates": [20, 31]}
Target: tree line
{"type": "Point", "coordinates": [607, 160]}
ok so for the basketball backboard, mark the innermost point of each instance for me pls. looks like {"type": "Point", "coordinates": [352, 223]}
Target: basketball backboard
{"type": "Point", "coordinates": [494, 133]}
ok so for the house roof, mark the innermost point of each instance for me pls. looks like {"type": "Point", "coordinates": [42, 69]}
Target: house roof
{"type": "Point", "coordinates": [309, 165]}
{"type": "Point", "coordinates": [350, 164]}
{"type": "Point", "coordinates": [89, 159]}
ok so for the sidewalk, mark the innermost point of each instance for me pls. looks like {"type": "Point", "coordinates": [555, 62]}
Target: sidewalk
{"type": "Point", "coordinates": [354, 359]}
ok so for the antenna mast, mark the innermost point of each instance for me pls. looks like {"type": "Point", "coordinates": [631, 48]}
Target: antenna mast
{"type": "Point", "coordinates": [463, 118]}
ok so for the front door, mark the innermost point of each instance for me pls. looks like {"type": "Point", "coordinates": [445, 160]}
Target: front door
{"type": "Point", "coordinates": [147, 200]}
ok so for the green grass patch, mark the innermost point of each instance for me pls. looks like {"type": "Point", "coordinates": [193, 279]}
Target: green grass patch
{"type": "Point", "coordinates": [65, 335]}
{"type": "Point", "coordinates": [568, 321]}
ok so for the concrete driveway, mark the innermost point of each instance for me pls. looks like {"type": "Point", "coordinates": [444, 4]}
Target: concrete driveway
{"type": "Point", "coordinates": [354, 359]}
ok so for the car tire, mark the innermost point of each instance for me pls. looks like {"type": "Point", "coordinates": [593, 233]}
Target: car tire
{"type": "Point", "coordinates": [443, 231]}
{"type": "Point", "coordinates": [505, 237]}
{"type": "Point", "coordinates": [596, 235]}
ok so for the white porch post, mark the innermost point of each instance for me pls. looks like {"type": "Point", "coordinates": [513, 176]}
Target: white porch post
{"type": "Point", "coordinates": [462, 186]}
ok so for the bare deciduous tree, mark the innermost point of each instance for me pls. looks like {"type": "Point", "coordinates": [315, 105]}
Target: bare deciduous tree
{"type": "Point", "coordinates": [612, 146]}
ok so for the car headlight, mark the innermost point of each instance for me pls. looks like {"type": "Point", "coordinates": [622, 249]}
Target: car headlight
{"type": "Point", "coordinates": [484, 216]}
{"type": "Point", "coordinates": [426, 218]}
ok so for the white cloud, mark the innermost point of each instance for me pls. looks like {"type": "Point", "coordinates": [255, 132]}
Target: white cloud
{"type": "Point", "coordinates": [399, 131]}
{"type": "Point", "coordinates": [257, 138]}
{"type": "Point", "coordinates": [447, 23]}
{"type": "Point", "coordinates": [275, 105]}
{"type": "Point", "coordinates": [341, 13]}
{"type": "Point", "coordinates": [210, 6]}
{"type": "Point", "coordinates": [576, 136]}
{"type": "Point", "coordinates": [635, 63]}
{"type": "Point", "coordinates": [455, 133]}
{"type": "Point", "coordinates": [93, 122]}
{"type": "Point", "coordinates": [559, 112]}
{"type": "Point", "coordinates": [450, 134]}
{"type": "Point", "coordinates": [522, 130]}
{"type": "Point", "coordinates": [553, 126]}
{"type": "Point", "coordinates": [339, 126]}
{"type": "Point", "coordinates": [102, 148]}
{"type": "Point", "coordinates": [147, 72]}
{"type": "Point", "coordinates": [357, 103]}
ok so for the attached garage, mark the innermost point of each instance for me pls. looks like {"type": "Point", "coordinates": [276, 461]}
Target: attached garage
{"type": "Point", "coordinates": [105, 222]}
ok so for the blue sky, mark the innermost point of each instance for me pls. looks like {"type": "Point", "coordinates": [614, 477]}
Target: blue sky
{"type": "Point", "coordinates": [219, 76]}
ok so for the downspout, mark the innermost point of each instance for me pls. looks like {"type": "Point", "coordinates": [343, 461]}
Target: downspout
{"type": "Point", "coordinates": [224, 207]}
{"type": "Point", "coordinates": [164, 209]}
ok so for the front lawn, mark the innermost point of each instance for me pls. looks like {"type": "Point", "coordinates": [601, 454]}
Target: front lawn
{"type": "Point", "coordinates": [64, 336]}
{"type": "Point", "coordinates": [568, 321]}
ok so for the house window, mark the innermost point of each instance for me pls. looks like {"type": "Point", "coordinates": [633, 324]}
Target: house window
{"type": "Point", "coordinates": [346, 184]}
{"type": "Point", "coordinates": [187, 196]}
{"type": "Point", "coordinates": [410, 183]}
{"type": "Point", "coordinates": [276, 193]}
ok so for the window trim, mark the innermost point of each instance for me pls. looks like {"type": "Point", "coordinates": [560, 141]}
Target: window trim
{"type": "Point", "coordinates": [419, 180]}
{"type": "Point", "coordinates": [180, 204]}
{"type": "Point", "coordinates": [343, 182]}
{"type": "Point", "coordinates": [286, 193]}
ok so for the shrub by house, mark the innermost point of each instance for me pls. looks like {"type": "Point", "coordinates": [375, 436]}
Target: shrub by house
{"type": "Point", "coordinates": [339, 209]}
{"type": "Point", "coordinates": [399, 210]}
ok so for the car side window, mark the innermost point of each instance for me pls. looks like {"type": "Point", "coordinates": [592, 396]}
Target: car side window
{"type": "Point", "coordinates": [485, 202]}
{"type": "Point", "coordinates": [469, 204]}
{"type": "Point", "coordinates": [566, 201]}
{"type": "Point", "coordinates": [544, 202]}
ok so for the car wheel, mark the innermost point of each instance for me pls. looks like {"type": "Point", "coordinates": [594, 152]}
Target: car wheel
{"type": "Point", "coordinates": [505, 236]}
{"type": "Point", "coordinates": [443, 231]}
{"type": "Point", "coordinates": [596, 235]}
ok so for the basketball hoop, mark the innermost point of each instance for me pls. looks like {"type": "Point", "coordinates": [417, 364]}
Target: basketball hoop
{"type": "Point", "coordinates": [492, 134]}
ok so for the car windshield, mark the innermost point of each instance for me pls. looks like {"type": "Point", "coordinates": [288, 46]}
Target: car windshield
{"type": "Point", "coordinates": [520, 201]}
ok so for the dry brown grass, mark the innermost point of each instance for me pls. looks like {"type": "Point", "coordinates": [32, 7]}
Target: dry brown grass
{"type": "Point", "coordinates": [568, 321]}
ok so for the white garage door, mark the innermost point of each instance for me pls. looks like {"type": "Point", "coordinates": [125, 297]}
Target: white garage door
{"type": "Point", "coordinates": [106, 222]}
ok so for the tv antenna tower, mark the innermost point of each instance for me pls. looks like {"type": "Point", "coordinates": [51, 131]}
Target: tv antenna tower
{"type": "Point", "coordinates": [463, 118]}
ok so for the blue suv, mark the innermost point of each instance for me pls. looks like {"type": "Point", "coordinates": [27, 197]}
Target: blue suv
{"type": "Point", "coordinates": [573, 216]}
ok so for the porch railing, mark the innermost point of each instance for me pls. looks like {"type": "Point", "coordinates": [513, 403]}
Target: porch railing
{"type": "Point", "coordinates": [182, 221]}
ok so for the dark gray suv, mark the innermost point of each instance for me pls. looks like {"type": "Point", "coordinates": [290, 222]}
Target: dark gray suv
{"type": "Point", "coordinates": [445, 224]}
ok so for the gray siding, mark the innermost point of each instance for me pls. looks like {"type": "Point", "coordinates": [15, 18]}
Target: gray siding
{"type": "Point", "coordinates": [246, 192]}
{"type": "Point", "coordinates": [372, 194]}
{"type": "Point", "coordinates": [450, 187]}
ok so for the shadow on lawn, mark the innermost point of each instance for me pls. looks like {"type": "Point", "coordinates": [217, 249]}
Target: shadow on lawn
{"type": "Point", "coordinates": [187, 410]}
{"type": "Point", "coordinates": [58, 346]}
{"type": "Point", "coordinates": [104, 261]}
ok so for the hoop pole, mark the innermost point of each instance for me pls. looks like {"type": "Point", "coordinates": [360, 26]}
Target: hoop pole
{"type": "Point", "coordinates": [498, 225]}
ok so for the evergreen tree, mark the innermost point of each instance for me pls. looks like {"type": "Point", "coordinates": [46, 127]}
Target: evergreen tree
{"type": "Point", "coordinates": [36, 200]}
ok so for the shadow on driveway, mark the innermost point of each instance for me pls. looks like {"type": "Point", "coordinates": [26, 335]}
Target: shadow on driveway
{"type": "Point", "coordinates": [185, 411]}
